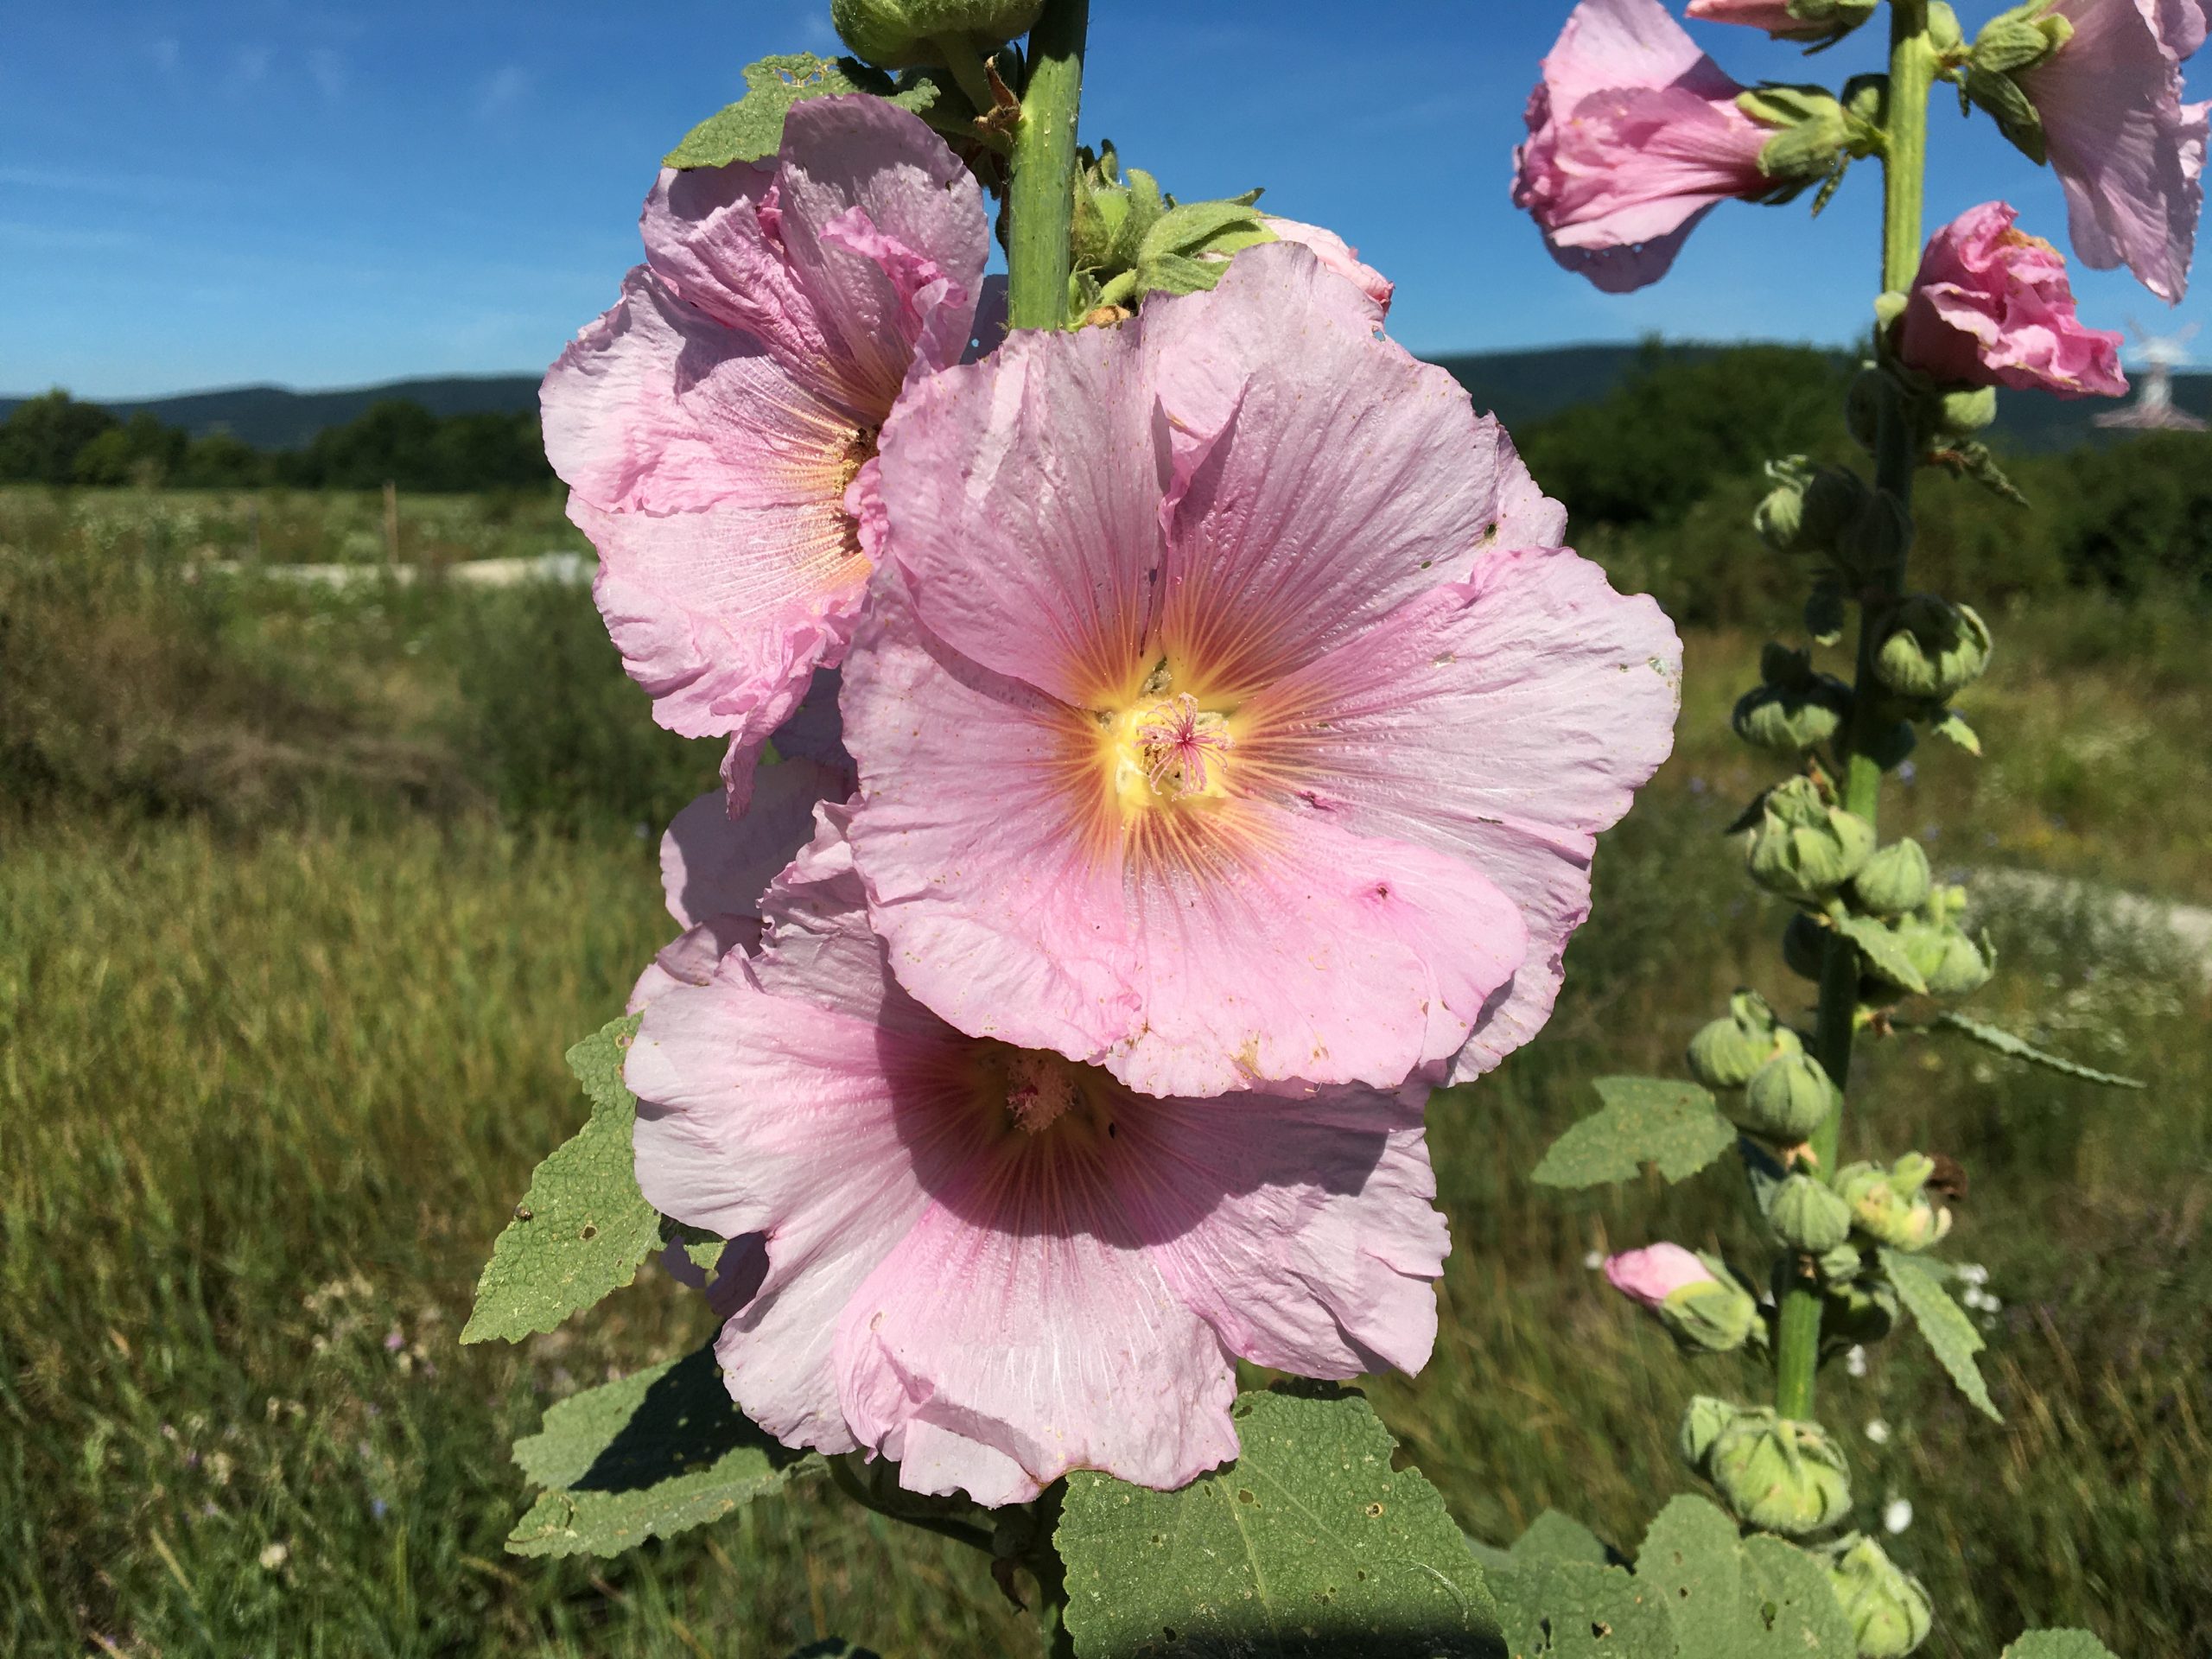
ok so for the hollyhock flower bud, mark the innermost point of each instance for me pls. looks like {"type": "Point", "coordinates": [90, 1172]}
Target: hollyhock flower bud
{"type": "Point", "coordinates": [1808, 1217]}
{"type": "Point", "coordinates": [1889, 1613]}
{"type": "Point", "coordinates": [1728, 1052]}
{"type": "Point", "coordinates": [1890, 1212]}
{"type": "Point", "coordinates": [902, 34]}
{"type": "Point", "coordinates": [1634, 135]}
{"type": "Point", "coordinates": [1228, 713]}
{"type": "Point", "coordinates": [1949, 962]}
{"type": "Point", "coordinates": [1992, 307]}
{"type": "Point", "coordinates": [993, 1265]}
{"type": "Point", "coordinates": [1809, 508]}
{"type": "Point", "coordinates": [1858, 1310]}
{"type": "Point", "coordinates": [1702, 1423]}
{"type": "Point", "coordinates": [1803, 848]}
{"type": "Point", "coordinates": [1896, 882]}
{"type": "Point", "coordinates": [2128, 152]}
{"type": "Point", "coordinates": [1932, 649]}
{"type": "Point", "coordinates": [1786, 1101]}
{"type": "Point", "coordinates": [1796, 709]}
{"type": "Point", "coordinates": [1780, 1475]}
{"type": "Point", "coordinates": [1696, 1298]}
{"type": "Point", "coordinates": [1813, 22]}
{"type": "Point", "coordinates": [716, 428]}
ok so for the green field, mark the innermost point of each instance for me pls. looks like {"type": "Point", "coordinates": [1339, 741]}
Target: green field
{"type": "Point", "coordinates": [304, 894]}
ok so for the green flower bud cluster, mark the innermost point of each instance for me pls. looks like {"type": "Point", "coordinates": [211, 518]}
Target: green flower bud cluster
{"type": "Point", "coordinates": [1796, 709]}
{"type": "Point", "coordinates": [906, 34]}
{"type": "Point", "coordinates": [1807, 1215]}
{"type": "Point", "coordinates": [1130, 239]}
{"type": "Point", "coordinates": [1810, 508]}
{"type": "Point", "coordinates": [1888, 1608]}
{"type": "Point", "coordinates": [1804, 848]}
{"type": "Point", "coordinates": [1816, 135]}
{"type": "Point", "coordinates": [1786, 1100]}
{"type": "Point", "coordinates": [1776, 1473]}
{"type": "Point", "coordinates": [1930, 651]}
{"type": "Point", "coordinates": [1729, 1053]}
{"type": "Point", "coordinates": [1943, 959]}
{"type": "Point", "coordinates": [1891, 1206]}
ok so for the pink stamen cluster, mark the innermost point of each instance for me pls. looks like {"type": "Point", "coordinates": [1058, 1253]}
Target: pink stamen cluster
{"type": "Point", "coordinates": [1178, 738]}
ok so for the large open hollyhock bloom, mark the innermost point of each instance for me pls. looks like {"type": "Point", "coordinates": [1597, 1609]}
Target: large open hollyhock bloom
{"type": "Point", "coordinates": [711, 426]}
{"type": "Point", "coordinates": [1228, 714]}
{"type": "Point", "coordinates": [1992, 306]}
{"type": "Point", "coordinates": [1634, 135]}
{"type": "Point", "coordinates": [2128, 152]}
{"type": "Point", "coordinates": [995, 1266]}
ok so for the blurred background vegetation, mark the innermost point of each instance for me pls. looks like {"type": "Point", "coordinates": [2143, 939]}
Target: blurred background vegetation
{"type": "Point", "coordinates": [306, 888]}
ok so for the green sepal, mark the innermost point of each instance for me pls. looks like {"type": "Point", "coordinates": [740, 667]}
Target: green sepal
{"type": "Point", "coordinates": [1949, 724]}
{"type": "Point", "coordinates": [1676, 1126]}
{"type": "Point", "coordinates": [2004, 1043]}
{"type": "Point", "coordinates": [1309, 1544]}
{"type": "Point", "coordinates": [651, 1455]}
{"type": "Point", "coordinates": [2007, 104]}
{"type": "Point", "coordinates": [584, 1227]}
{"type": "Point", "coordinates": [1204, 227]}
{"type": "Point", "coordinates": [1950, 1335]}
{"type": "Point", "coordinates": [1883, 951]}
{"type": "Point", "coordinates": [753, 128]}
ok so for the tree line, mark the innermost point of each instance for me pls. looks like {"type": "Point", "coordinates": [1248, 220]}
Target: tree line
{"type": "Point", "coordinates": [57, 440]}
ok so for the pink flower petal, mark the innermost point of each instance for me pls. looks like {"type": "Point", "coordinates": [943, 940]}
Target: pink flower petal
{"type": "Point", "coordinates": [1992, 306]}
{"type": "Point", "coordinates": [1338, 257]}
{"type": "Point", "coordinates": [1653, 1274]}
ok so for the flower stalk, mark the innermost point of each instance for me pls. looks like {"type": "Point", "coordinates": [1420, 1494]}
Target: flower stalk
{"type": "Point", "coordinates": [1041, 199]}
{"type": "Point", "coordinates": [1913, 60]}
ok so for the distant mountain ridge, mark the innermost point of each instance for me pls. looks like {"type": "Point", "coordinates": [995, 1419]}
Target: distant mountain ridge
{"type": "Point", "coordinates": [1520, 387]}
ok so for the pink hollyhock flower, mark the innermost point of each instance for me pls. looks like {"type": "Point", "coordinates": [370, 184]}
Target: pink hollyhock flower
{"type": "Point", "coordinates": [1650, 1276]}
{"type": "Point", "coordinates": [1634, 135]}
{"type": "Point", "coordinates": [1228, 714]}
{"type": "Point", "coordinates": [714, 871]}
{"type": "Point", "coordinates": [2128, 152]}
{"type": "Point", "coordinates": [1339, 256]}
{"type": "Point", "coordinates": [1992, 307]}
{"type": "Point", "coordinates": [711, 426]}
{"type": "Point", "coordinates": [995, 1266]}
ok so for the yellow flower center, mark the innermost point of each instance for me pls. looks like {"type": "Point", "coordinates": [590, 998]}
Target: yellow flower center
{"type": "Point", "coordinates": [1165, 748]}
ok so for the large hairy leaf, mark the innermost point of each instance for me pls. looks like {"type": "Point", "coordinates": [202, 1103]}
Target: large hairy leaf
{"type": "Point", "coordinates": [650, 1455]}
{"type": "Point", "coordinates": [1728, 1598]}
{"type": "Point", "coordinates": [584, 1227]}
{"type": "Point", "coordinates": [1309, 1544]}
{"type": "Point", "coordinates": [1643, 1121]}
{"type": "Point", "coordinates": [1558, 1609]}
{"type": "Point", "coordinates": [1943, 1324]}
{"type": "Point", "coordinates": [752, 127]}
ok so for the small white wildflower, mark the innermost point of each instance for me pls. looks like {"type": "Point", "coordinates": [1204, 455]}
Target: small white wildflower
{"type": "Point", "coordinates": [1855, 1361]}
{"type": "Point", "coordinates": [1896, 1514]}
{"type": "Point", "coordinates": [275, 1555]}
{"type": "Point", "coordinates": [1878, 1432]}
{"type": "Point", "coordinates": [1974, 1273]}
{"type": "Point", "coordinates": [1594, 1260]}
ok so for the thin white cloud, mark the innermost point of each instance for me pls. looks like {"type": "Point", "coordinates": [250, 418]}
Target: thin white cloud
{"type": "Point", "coordinates": [327, 69]}
{"type": "Point", "coordinates": [502, 93]}
{"type": "Point", "coordinates": [166, 52]}
{"type": "Point", "coordinates": [249, 67]}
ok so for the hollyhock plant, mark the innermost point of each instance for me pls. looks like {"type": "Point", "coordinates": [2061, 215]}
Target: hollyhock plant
{"type": "Point", "coordinates": [2128, 152]}
{"type": "Point", "coordinates": [1634, 135]}
{"type": "Point", "coordinates": [1228, 714]}
{"type": "Point", "coordinates": [711, 425]}
{"type": "Point", "coordinates": [994, 1265]}
{"type": "Point", "coordinates": [1992, 307]}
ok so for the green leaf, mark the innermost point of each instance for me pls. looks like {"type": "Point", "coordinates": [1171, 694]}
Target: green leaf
{"type": "Point", "coordinates": [1555, 1537]}
{"type": "Point", "coordinates": [1943, 1323]}
{"type": "Point", "coordinates": [2058, 1645]}
{"type": "Point", "coordinates": [1796, 1601]}
{"type": "Point", "coordinates": [1883, 951]}
{"type": "Point", "coordinates": [1952, 726]}
{"type": "Point", "coordinates": [644, 1458]}
{"type": "Point", "coordinates": [1724, 1605]}
{"type": "Point", "coordinates": [1643, 1119]}
{"type": "Point", "coordinates": [1571, 1610]}
{"type": "Point", "coordinates": [1309, 1544]}
{"type": "Point", "coordinates": [1174, 273]}
{"type": "Point", "coordinates": [584, 1227]}
{"type": "Point", "coordinates": [2006, 1044]}
{"type": "Point", "coordinates": [753, 127]}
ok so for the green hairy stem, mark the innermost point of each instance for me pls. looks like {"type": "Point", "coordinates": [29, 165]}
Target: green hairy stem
{"type": "Point", "coordinates": [1041, 199]}
{"type": "Point", "coordinates": [1904, 166]}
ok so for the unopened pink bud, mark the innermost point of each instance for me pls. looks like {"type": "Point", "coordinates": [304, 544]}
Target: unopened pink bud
{"type": "Point", "coordinates": [1653, 1274]}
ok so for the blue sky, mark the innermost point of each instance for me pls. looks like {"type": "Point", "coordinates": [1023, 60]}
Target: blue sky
{"type": "Point", "coordinates": [200, 195]}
